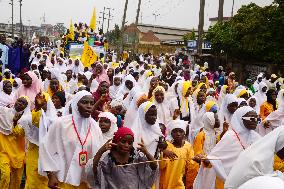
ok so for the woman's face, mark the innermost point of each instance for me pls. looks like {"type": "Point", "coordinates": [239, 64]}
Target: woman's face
{"type": "Point", "coordinates": [56, 101]}
{"type": "Point", "coordinates": [110, 72]}
{"type": "Point", "coordinates": [85, 106]}
{"type": "Point", "coordinates": [154, 81]}
{"type": "Point", "coordinates": [104, 88]}
{"type": "Point", "coordinates": [217, 121]}
{"type": "Point", "coordinates": [264, 89]}
{"type": "Point", "coordinates": [117, 81]}
{"type": "Point", "coordinates": [201, 97]}
{"type": "Point", "coordinates": [178, 134]}
{"type": "Point", "coordinates": [99, 69]}
{"type": "Point", "coordinates": [27, 81]}
{"type": "Point", "coordinates": [125, 145]}
{"type": "Point", "coordinates": [252, 102]}
{"type": "Point", "coordinates": [129, 84]}
{"type": "Point", "coordinates": [252, 123]}
{"type": "Point", "coordinates": [104, 124]}
{"type": "Point", "coordinates": [203, 88]}
{"type": "Point", "coordinates": [194, 83]}
{"type": "Point", "coordinates": [245, 96]}
{"type": "Point", "coordinates": [20, 104]}
{"type": "Point", "coordinates": [159, 96]}
{"type": "Point", "coordinates": [54, 85]}
{"type": "Point", "coordinates": [151, 115]}
{"type": "Point", "coordinates": [232, 107]}
{"type": "Point", "coordinates": [273, 96]}
{"type": "Point", "coordinates": [7, 87]}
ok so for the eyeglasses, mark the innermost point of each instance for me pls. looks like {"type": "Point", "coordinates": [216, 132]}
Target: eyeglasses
{"type": "Point", "coordinates": [255, 119]}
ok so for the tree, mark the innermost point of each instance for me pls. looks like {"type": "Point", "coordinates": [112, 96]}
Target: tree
{"type": "Point", "coordinates": [254, 33]}
{"type": "Point", "coordinates": [114, 37]}
{"type": "Point", "coordinates": [188, 36]}
{"type": "Point", "coordinates": [60, 28]}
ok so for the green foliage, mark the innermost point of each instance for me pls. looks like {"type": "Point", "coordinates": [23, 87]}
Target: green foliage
{"type": "Point", "coordinates": [60, 28]}
{"type": "Point", "coordinates": [254, 33]}
{"type": "Point", "coordinates": [114, 36]}
{"type": "Point", "coordinates": [188, 36]}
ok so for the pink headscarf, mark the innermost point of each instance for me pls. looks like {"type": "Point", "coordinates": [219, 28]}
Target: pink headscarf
{"type": "Point", "coordinates": [103, 76]}
{"type": "Point", "coordinates": [31, 91]}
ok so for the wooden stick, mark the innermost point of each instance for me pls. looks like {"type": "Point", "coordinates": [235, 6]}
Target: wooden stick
{"type": "Point", "coordinates": [144, 162]}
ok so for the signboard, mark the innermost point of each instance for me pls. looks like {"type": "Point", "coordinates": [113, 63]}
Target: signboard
{"type": "Point", "coordinates": [77, 50]}
{"type": "Point", "coordinates": [192, 44]}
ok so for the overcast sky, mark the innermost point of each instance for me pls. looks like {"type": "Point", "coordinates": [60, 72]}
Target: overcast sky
{"type": "Point", "coordinates": [175, 13]}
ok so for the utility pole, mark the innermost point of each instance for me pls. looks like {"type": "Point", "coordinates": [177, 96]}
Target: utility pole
{"type": "Point", "coordinates": [232, 13]}
{"type": "Point", "coordinates": [21, 23]}
{"type": "Point", "coordinates": [12, 4]}
{"type": "Point", "coordinates": [123, 24]}
{"type": "Point", "coordinates": [136, 40]}
{"type": "Point", "coordinates": [103, 22]}
{"type": "Point", "coordinates": [220, 11]}
{"type": "Point", "coordinates": [109, 18]}
{"type": "Point", "coordinates": [200, 27]}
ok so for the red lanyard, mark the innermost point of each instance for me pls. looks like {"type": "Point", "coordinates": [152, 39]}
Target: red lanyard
{"type": "Point", "coordinates": [239, 139]}
{"type": "Point", "coordinates": [78, 136]}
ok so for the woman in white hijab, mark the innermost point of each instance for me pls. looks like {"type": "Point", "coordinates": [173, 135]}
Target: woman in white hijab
{"type": "Point", "coordinates": [12, 142]}
{"type": "Point", "coordinates": [276, 118]}
{"type": "Point", "coordinates": [146, 127]}
{"type": "Point", "coordinates": [128, 84]}
{"type": "Point", "coordinates": [163, 107]}
{"type": "Point", "coordinates": [229, 106]}
{"type": "Point", "coordinates": [6, 93]}
{"type": "Point", "coordinates": [223, 93]}
{"type": "Point", "coordinates": [236, 140]}
{"type": "Point", "coordinates": [260, 95]}
{"type": "Point", "coordinates": [107, 123]}
{"type": "Point", "coordinates": [70, 142]}
{"type": "Point", "coordinates": [256, 163]}
{"type": "Point", "coordinates": [257, 82]}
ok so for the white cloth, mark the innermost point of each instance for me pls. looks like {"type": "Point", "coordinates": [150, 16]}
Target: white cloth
{"type": "Point", "coordinates": [5, 99]}
{"type": "Point", "coordinates": [257, 160]}
{"type": "Point", "coordinates": [142, 130]}
{"type": "Point", "coordinates": [61, 146]}
{"type": "Point", "coordinates": [224, 114]}
{"type": "Point", "coordinates": [175, 124]}
{"type": "Point", "coordinates": [263, 182]}
{"type": "Point", "coordinates": [210, 136]}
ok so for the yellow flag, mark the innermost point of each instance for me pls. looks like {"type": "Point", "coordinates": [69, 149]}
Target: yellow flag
{"type": "Point", "coordinates": [71, 31]}
{"type": "Point", "coordinates": [88, 56]}
{"type": "Point", "coordinates": [93, 22]}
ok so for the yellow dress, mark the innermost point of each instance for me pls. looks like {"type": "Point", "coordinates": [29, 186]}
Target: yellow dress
{"type": "Point", "coordinates": [278, 164]}
{"type": "Point", "coordinates": [34, 180]}
{"type": "Point", "coordinates": [12, 154]}
{"type": "Point", "coordinates": [173, 172]}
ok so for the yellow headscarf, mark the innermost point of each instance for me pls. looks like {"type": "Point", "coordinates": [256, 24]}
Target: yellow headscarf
{"type": "Point", "coordinates": [186, 85]}
{"type": "Point", "coordinates": [242, 92]}
{"type": "Point", "coordinates": [209, 105]}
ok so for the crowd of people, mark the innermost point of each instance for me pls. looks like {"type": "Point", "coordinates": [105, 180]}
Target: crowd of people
{"type": "Point", "coordinates": [147, 122]}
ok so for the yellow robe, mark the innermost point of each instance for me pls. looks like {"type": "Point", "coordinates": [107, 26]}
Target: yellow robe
{"type": "Point", "coordinates": [12, 154]}
{"type": "Point", "coordinates": [173, 172]}
{"type": "Point", "coordinates": [34, 180]}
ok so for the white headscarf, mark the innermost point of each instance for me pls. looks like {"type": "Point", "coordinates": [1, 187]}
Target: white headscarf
{"type": "Point", "coordinates": [257, 160]}
{"type": "Point", "coordinates": [210, 136]}
{"type": "Point", "coordinates": [175, 124]}
{"type": "Point", "coordinates": [257, 106]}
{"type": "Point", "coordinates": [113, 128]}
{"type": "Point", "coordinates": [143, 131]}
{"type": "Point", "coordinates": [7, 115]}
{"type": "Point", "coordinates": [224, 112]}
{"type": "Point", "coordinates": [5, 99]}
{"type": "Point", "coordinates": [263, 182]}
{"type": "Point", "coordinates": [260, 95]}
{"type": "Point", "coordinates": [113, 90]}
{"type": "Point", "coordinates": [123, 89]}
{"type": "Point", "coordinates": [163, 109]}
